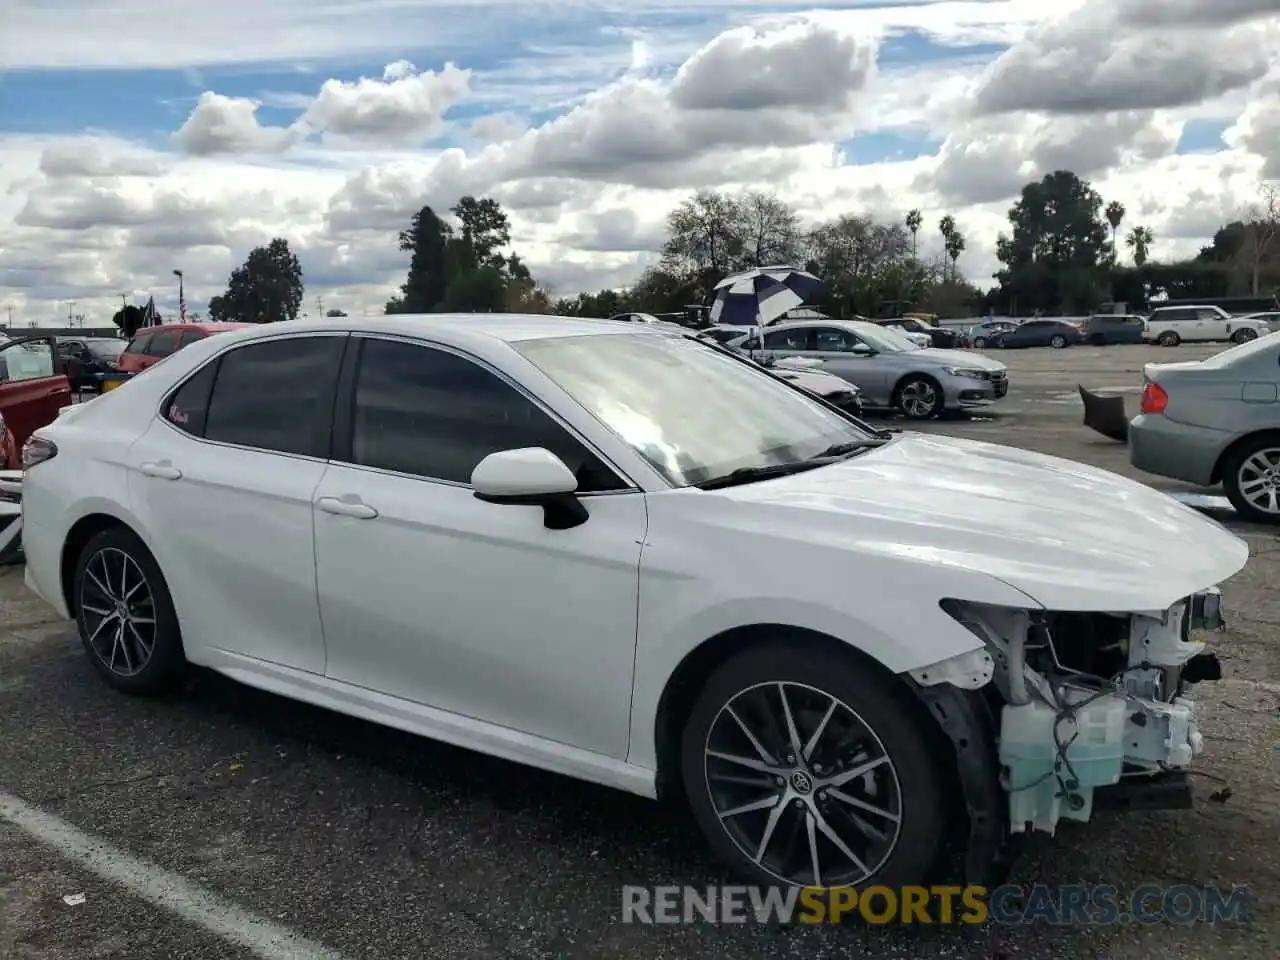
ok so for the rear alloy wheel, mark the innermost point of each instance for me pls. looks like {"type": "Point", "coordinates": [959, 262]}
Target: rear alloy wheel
{"type": "Point", "coordinates": [125, 614]}
{"type": "Point", "coordinates": [1057, 341]}
{"type": "Point", "coordinates": [980, 343]}
{"type": "Point", "coordinates": [919, 397]}
{"type": "Point", "coordinates": [1244, 335]}
{"type": "Point", "coordinates": [1251, 479]}
{"type": "Point", "coordinates": [803, 769]}
{"type": "Point", "coordinates": [1168, 339]}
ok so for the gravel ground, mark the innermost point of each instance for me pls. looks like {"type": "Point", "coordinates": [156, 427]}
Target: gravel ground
{"type": "Point", "coordinates": [384, 846]}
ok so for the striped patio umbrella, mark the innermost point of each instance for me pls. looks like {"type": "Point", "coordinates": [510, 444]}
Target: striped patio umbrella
{"type": "Point", "coordinates": [758, 297]}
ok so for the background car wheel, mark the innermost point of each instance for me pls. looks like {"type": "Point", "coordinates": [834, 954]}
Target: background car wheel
{"type": "Point", "coordinates": [919, 397]}
{"type": "Point", "coordinates": [1168, 339]}
{"type": "Point", "coordinates": [1251, 479]}
{"type": "Point", "coordinates": [805, 768]}
{"type": "Point", "coordinates": [125, 614]}
{"type": "Point", "coordinates": [1244, 335]}
{"type": "Point", "coordinates": [980, 343]}
{"type": "Point", "coordinates": [1057, 341]}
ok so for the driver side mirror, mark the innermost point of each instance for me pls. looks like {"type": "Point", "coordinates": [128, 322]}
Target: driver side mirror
{"type": "Point", "coordinates": [531, 476]}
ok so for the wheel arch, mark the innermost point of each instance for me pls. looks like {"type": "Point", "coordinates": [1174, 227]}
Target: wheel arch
{"type": "Point", "coordinates": [686, 682]}
{"type": "Point", "coordinates": [81, 532]}
{"type": "Point", "coordinates": [1235, 445]}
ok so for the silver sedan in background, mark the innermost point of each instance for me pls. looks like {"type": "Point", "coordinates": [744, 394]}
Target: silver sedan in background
{"type": "Point", "coordinates": [1216, 421]}
{"type": "Point", "coordinates": [892, 372]}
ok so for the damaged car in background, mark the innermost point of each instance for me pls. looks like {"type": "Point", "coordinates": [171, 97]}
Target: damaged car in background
{"type": "Point", "coordinates": [844, 650]}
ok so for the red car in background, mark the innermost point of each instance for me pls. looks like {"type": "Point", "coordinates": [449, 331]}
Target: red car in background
{"type": "Point", "coordinates": [32, 391]}
{"type": "Point", "coordinates": [150, 345]}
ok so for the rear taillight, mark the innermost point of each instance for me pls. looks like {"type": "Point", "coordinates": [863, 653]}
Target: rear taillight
{"type": "Point", "coordinates": [37, 450]}
{"type": "Point", "coordinates": [1154, 398]}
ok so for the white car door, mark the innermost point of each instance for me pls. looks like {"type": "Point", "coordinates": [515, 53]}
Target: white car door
{"type": "Point", "coordinates": [838, 350]}
{"type": "Point", "coordinates": [1211, 325]}
{"type": "Point", "coordinates": [431, 595]}
{"type": "Point", "coordinates": [224, 479]}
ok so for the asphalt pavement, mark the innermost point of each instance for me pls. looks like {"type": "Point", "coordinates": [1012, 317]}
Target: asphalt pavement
{"type": "Point", "coordinates": [225, 823]}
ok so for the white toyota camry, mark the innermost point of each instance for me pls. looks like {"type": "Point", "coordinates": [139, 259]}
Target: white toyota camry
{"type": "Point", "coordinates": [640, 561]}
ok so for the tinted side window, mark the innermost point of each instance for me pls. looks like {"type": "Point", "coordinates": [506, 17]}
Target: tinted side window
{"type": "Point", "coordinates": [834, 340]}
{"type": "Point", "coordinates": [430, 413]}
{"type": "Point", "coordinates": [188, 406]}
{"type": "Point", "coordinates": [138, 344]}
{"type": "Point", "coordinates": [163, 344]}
{"type": "Point", "coordinates": [277, 395]}
{"type": "Point", "coordinates": [189, 337]}
{"type": "Point", "coordinates": [787, 340]}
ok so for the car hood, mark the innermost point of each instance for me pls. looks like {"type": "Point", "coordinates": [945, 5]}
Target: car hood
{"type": "Point", "coordinates": [958, 358]}
{"type": "Point", "coordinates": [1070, 536]}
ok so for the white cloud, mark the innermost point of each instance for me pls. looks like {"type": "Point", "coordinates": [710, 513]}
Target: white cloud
{"type": "Point", "coordinates": [646, 116]}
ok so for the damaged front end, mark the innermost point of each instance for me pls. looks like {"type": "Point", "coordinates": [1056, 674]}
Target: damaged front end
{"type": "Point", "coordinates": [1078, 703]}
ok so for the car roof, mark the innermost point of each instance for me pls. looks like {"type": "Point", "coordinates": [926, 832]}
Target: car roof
{"type": "Point", "coordinates": [209, 327]}
{"type": "Point", "coordinates": [463, 330]}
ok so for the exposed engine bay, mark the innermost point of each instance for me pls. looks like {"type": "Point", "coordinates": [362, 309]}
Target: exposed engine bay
{"type": "Point", "coordinates": [1085, 700]}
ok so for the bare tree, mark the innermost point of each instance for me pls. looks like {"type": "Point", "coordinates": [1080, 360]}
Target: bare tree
{"type": "Point", "coordinates": [770, 230]}
{"type": "Point", "coordinates": [1262, 234]}
{"type": "Point", "coordinates": [704, 236]}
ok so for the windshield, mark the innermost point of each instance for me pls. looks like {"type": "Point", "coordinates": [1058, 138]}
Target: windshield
{"type": "Point", "coordinates": [884, 339]}
{"type": "Point", "coordinates": [694, 413]}
{"type": "Point", "coordinates": [108, 349]}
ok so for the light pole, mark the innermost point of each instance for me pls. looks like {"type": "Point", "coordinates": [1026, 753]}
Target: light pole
{"type": "Point", "coordinates": [182, 299]}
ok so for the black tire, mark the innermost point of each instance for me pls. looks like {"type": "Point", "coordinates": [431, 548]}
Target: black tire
{"type": "Point", "coordinates": [163, 667]}
{"type": "Point", "coordinates": [1168, 339]}
{"type": "Point", "coordinates": [1057, 341]}
{"type": "Point", "coordinates": [1244, 335]}
{"type": "Point", "coordinates": [904, 392]}
{"type": "Point", "coordinates": [1237, 463]}
{"type": "Point", "coordinates": [980, 343]}
{"type": "Point", "coordinates": [898, 730]}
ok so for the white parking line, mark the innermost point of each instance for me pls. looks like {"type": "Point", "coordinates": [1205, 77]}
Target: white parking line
{"type": "Point", "coordinates": [163, 889]}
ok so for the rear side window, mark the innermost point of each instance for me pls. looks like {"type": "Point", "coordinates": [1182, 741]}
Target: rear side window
{"type": "Point", "coordinates": [277, 396]}
{"type": "Point", "coordinates": [188, 406]}
{"type": "Point", "coordinates": [138, 344]}
{"type": "Point", "coordinates": [163, 344]}
{"type": "Point", "coordinates": [189, 337]}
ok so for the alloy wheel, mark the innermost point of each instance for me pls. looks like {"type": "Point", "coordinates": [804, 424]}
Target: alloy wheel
{"type": "Point", "coordinates": [1244, 335]}
{"type": "Point", "coordinates": [802, 786]}
{"type": "Point", "coordinates": [118, 611]}
{"type": "Point", "coordinates": [1259, 480]}
{"type": "Point", "coordinates": [918, 399]}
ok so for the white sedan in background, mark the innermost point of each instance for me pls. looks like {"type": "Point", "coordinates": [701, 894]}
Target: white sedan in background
{"type": "Point", "coordinates": [636, 560]}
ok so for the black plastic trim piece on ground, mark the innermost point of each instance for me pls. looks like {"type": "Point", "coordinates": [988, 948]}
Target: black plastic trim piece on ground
{"type": "Point", "coordinates": [965, 717]}
{"type": "Point", "coordinates": [1161, 791]}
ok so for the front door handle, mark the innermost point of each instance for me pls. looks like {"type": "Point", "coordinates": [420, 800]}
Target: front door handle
{"type": "Point", "coordinates": [347, 508]}
{"type": "Point", "coordinates": [164, 470]}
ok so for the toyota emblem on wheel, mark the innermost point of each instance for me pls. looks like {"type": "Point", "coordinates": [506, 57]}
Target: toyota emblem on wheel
{"type": "Point", "coordinates": [801, 782]}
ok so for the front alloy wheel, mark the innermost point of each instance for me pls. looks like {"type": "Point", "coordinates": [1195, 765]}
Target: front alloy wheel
{"type": "Point", "coordinates": [804, 768]}
{"type": "Point", "coordinates": [919, 398]}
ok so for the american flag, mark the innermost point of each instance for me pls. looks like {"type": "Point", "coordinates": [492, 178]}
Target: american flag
{"type": "Point", "coordinates": [150, 316]}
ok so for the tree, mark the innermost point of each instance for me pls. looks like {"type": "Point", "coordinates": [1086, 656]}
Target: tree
{"type": "Point", "coordinates": [704, 238]}
{"type": "Point", "coordinates": [769, 229]}
{"type": "Point", "coordinates": [954, 246]}
{"type": "Point", "coordinates": [915, 220]}
{"type": "Point", "coordinates": [128, 319]}
{"type": "Point", "coordinates": [1262, 234]}
{"type": "Point", "coordinates": [947, 227]}
{"type": "Point", "coordinates": [483, 230]}
{"type": "Point", "coordinates": [1052, 257]}
{"type": "Point", "coordinates": [865, 266]}
{"type": "Point", "coordinates": [267, 288]}
{"type": "Point", "coordinates": [426, 241]}
{"type": "Point", "coordinates": [1115, 216]}
{"type": "Point", "coordinates": [1139, 242]}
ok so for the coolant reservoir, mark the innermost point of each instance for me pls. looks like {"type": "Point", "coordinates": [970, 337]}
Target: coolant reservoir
{"type": "Point", "coordinates": [1092, 743]}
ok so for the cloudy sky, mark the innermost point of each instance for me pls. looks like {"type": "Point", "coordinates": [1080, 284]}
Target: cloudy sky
{"type": "Point", "coordinates": [142, 136]}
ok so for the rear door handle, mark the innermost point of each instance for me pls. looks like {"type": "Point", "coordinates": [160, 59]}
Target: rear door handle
{"type": "Point", "coordinates": [163, 470]}
{"type": "Point", "coordinates": [347, 508]}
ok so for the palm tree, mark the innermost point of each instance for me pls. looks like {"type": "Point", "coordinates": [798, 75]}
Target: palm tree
{"type": "Point", "coordinates": [1139, 241]}
{"type": "Point", "coordinates": [1115, 216]}
{"type": "Point", "coordinates": [915, 220]}
{"type": "Point", "coordinates": [947, 227]}
{"type": "Point", "coordinates": [955, 246]}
